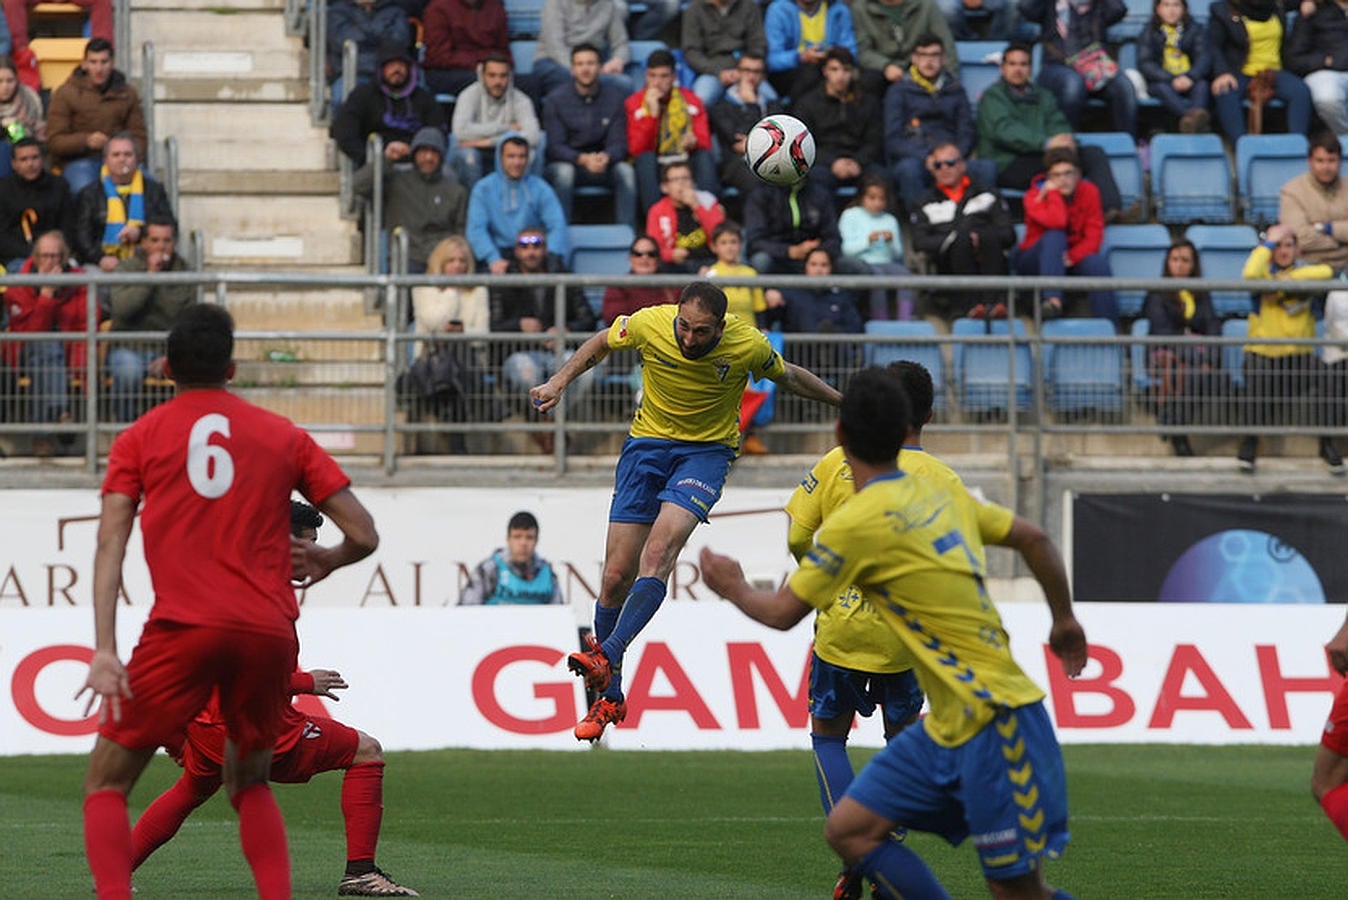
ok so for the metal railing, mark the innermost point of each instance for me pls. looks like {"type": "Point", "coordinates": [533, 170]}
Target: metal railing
{"type": "Point", "coordinates": [121, 27]}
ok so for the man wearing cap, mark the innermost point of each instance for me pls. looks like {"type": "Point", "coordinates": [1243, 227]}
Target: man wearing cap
{"type": "Point", "coordinates": [422, 200]}
{"type": "Point", "coordinates": [392, 105]}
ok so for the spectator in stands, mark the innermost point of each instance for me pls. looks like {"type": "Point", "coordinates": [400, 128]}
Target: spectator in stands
{"type": "Point", "coordinates": [716, 36]}
{"type": "Point", "coordinates": [799, 33]}
{"type": "Point", "coordinates": [1064, 234]}
{"type": "Point", "coordinates": [846, 122]}
{"type": "Point", "coordinates": [887, 34]}
{"type": "Point", "coordinates": [33, 201]}
{"type": "Point", "coordinates": [48, 363]}
{"type": "Point", "coordinates": [570, 23]}
{"type": "Point", "coordinates": [16, 21]}
{"type": "Point", "coordinates": [145, 306]}
{"type": "Point", "coordinates": [1314, 204]}
{"type": "Point", "coordinates": [1280, 378]}
{"type": "Point", "coordinates": [94, 102]}
{"type": "Point", "coordinates": [644, 258]}
{"type": "Point", "coordinates": [964, 228]}
{"type": "Point", "coordinates": [1174, 58]}
{"type": "Point", "coordinates": [826, 309]}
{"type": "Point", "coordinates": [1077, 64]}
{"type": "Point", "coordinates": [532, 310]}
{"type": "Point", "coordinates": [504, 203]}
{"type": "Point", "coordinates": [926, 107]}
{"type": "Point", "coordinates": [458, 36]}
{"type": "Point", "coordinates": [484, 112]}
{"type": "Point", "coordinates": [870, 233]}
{"type": "Point", "coordinates": [454, 309]}
{"type": "Point", "coordinates": [392, 105]}
{"type": "Point", "coordinates": [6, 45]}
{"type": "Point", "coordinates": [1318, 52]}
{"type": "Point", "coordinates": [783, 224]}
{"type": "Point", "coordinates": [1185, 373]}
{"type": "Point", "coordinates": [745, 102]}
{"type": "Point", "coordinates": [682, 221]}
{"type": "Point", "coordinates": [667, 123]}
{"type": "Point", "coordinates": [1018, 121]}
{"type": "Point", "coordinates": [110, 213]}
{"type": "Point", "coordinates": [20, 113]}
{"type": "Point", "coordinates": [1247, 40]}
{"type": "Point", "coordinates": [422, 200]}
{"type": "Point", "coordinates": [514, 574]}
{"type": "Point", "coordinates": [651, 24]}
{"type": "Point", "coordinates": [370, 24]}
{"type": "Point", "coordinates": [752, 304]}
{"type": "Point", "coordinates": [586, 126]}
{"type": "Point", "coordinates": [998, 17]}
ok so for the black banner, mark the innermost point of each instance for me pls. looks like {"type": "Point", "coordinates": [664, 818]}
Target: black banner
{"type": "Point", "coordinates": [1210, 548]}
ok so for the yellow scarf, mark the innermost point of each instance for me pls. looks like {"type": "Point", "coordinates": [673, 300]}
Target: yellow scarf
{"type": "Point", "coordinates": [1190, 305]}
{"type": "Point", "coordinates": [125, 206]}
{"type": "Point", "coordinates": [928, 86]}
{"type": "Point", "coordinates": [673, 126]}
{"type": "Point", "coordinates": [1174, 60]}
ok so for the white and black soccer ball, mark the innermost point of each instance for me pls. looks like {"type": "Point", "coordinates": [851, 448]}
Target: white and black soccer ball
{"type": "Point", "coordinates": [779, 149]}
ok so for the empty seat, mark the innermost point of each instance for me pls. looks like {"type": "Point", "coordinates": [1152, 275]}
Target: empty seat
{"type": "Point", "coordinates": [1082, 377]}
{"type": "Point", "coordinates": [57, 57]}
{"type": "Point", "coordinates": [1124, 163]}
{"type": "Point", "coordinates": [1264, 163]}
{"type": "Point", "coordinates": [523, 18]}
{"type": "Point", "coordinates": [1223, 250]}
{"type": "Point", "coordinates": [641, 51]}
{"type": "Point", "coordinates": [988, 374]}
{"type": "Point", "coordinates": [927, 354]}
{"type": "Point", "coordinates": [522, 52]}
{"type": "Point", "coordinates": [1191, 179]}
{"type": "Point", "coordinates": [599, 250]}
{"type": "Point", "coordinates": [1143, 383]}
{"type": "Point", "coordinates": [980, 65]}
{"type": "Point", "coordinates": [1234, 354]}
{"type": "Point", "coordinates": [1130, 26]}
{"type": "Point", "coordinates": [1135, 251]}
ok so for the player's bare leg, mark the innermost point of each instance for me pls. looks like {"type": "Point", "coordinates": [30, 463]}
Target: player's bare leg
{"type": "Point", "coordinates": [262, 831]}
{"type": "Point", "coordinates": [862, 838]}
{"type": "Point", "coordinates": [113, 771]}
{"type": "Point", "coordinates": [363, 813]}
{"type": "Point", "coordinates": [1329, 786]}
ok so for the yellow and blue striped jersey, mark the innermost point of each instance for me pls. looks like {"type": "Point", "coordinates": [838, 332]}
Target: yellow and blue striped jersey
{"type": "Point", "coordinates": [694, 400]}
{"type": "Point", "coordinates": [913, 548]}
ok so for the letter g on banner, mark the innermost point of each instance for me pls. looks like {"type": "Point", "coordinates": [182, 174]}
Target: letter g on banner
{"type": "Point", "coordinates": [23, 688]}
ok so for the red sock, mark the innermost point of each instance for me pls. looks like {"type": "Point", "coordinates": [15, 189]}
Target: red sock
{"type": "Point", "coordinates": [162, 820]}
{"type": "Point", "coordinates": [262, 833]}
{"type": "Point", "coordinates": [1335, 805]}
{"type": "Point", "coordinates": [107, 844]}
{"type": "Point", "coordinates": [363, 809]}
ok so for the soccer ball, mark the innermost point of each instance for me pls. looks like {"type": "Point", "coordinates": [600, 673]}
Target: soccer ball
{"type": "Point", "coordinates": [779, 149]}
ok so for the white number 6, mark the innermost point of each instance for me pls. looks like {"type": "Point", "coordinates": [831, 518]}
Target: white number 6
{"type": "Point", "coordinates": [210, 468]}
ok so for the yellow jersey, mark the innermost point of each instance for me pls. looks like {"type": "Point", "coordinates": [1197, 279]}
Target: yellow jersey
{"type": "Point", "coordinates": [740, 301]}
{"type": "Point", "coordinates": [849, 632]}
{"type": "Point", "coordinates": [913, 549]}
{"type": "Point", "coordinates": [694, 400]}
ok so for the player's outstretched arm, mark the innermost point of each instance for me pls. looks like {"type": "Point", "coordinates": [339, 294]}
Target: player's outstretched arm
{"type": "Point", "coordinates": [1066, 637]}
{"type": "Point", "coordinates": [1337, 648]}
{"type": "Point", "coordinates": [780, 609]}
{"type": "Point", "coordinates": [107, 676]}
{"type": "Point", "coordinates": [322, 683]}
{"type": "Point", "coordinates": [804, 383]}
{"type": "Point", "coordinates": [311, 563]}
{"type": "Point", "coordinates": [591, 353]}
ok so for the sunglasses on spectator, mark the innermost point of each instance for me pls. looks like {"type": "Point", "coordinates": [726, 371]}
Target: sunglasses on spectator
{"type": "Point", "coordinates": [645, 253]}
{"type": "Point", "coordinates": [946, 163]}
{"type": "Point", "coordinates": [530, 240]}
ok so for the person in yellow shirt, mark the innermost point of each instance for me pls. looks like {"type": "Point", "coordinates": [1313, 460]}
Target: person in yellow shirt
{"type": "Point", "coordinates": [1279, 377]}
{"type": "Point", "coordinates": [695, 361]}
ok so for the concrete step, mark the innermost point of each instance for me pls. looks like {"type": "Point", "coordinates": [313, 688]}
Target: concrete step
{"type": "Point", "coordinates": [139, 6]}
{"type": "Point", "coordinates": [217, 29]}
{"type": "Point", "coordinates": [234, 182]}
{"type": "Point", "coordinates": [245, 136]}
{"type": "Point", "coordinates": [231, 90]}
{"type": "Point", "coordinates": [272, 229]}
{"type": "Point", "coordinates": [291, 309]}
{"type": "Point", "coordinates": [263, 363]}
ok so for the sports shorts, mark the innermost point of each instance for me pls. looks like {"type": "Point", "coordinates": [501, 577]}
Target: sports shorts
{"type": "Point", "coordinates": [175, 666]}
{"type": "Point", "coordinates": [1005, 787]}
{"type": "Point", "coordinates": [652, 471]}
{"type": "Point", "coordinates": [323, 745]}
{"type": "Point", "coordinates": [1335, 736]}
{"type": "Point", "coordinates": [836, 691]}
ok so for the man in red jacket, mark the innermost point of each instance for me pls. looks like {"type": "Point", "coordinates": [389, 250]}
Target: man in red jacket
{"type": "Point", "coordinates": [666, 124]}
{"type": "Point", "coordinates": [1064, 231]}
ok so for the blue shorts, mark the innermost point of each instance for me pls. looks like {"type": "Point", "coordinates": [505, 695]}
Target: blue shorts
{"type": "Point", "coordinates": [835, 691]}
{"type": "Point", "coordinates": [652, 471]}
{"type": "Point", "coordinates": [1005, 787]}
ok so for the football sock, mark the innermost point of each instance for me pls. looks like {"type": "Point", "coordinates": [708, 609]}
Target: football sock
{"type": "Point", "coordinates": [162, 819]}
{"type": "Point", "coordinates": [107, 844]}
{"type": "Point", "coordinates": [262, 833]}
{"type": "Point", "coordinates": [642, 601]}
{"type": "Point", "coordinates": [1060, 894]}
{"type": "Point", "coordinates": [363, 810]}
{"type": "Point", "coordinates": [900, 874]}
{"type": "Point", "coordinates": [1335, 805]}
{"type": "Point", "coordinates": [605, 617]}
{"type": "Point", "coordinates": [831, 767]}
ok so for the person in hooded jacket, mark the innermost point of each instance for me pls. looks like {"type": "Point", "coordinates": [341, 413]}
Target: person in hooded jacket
{"type": "Point", "coordinates": [484, 112]}
{"type": "Point", "coordinates": [422, 200]}
{"type": "Point", "coordinates": [393, 105]}
{"type": "Point", "coordinates": [506, 202]}
{"type": "Point", "coordinates": [369, 23]}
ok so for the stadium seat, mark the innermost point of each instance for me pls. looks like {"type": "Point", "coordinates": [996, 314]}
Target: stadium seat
{"type": "Point", "coordinates": [522, 52]}
{"type": "Point", "coordinates": [599, 250]}
{"type": "Point", "coordinates": [928, 355]}
{"type": "Point", "coordinates": [1130, 26]}
{"type": "Point", "coordinates": [1127, 60]}
{"type": "Point", "coordinates": [1223, 250]}
{"type": "Point", "coordinates": [986, 372]}
{"type": "Point", "coordinates": [1082, 377]}
{"type": "Point", "coordinates": [57, 57]}
{"type": "Point", "coordinates": [1234, 354]}
{"type": "Point", "coordinates": [980, 66]}
{"type": "Point", "coordinates": [523, 18]}
{"type": "Point", "coordinates": [1124, 163]}
{"type": "Point", "coordinates": [1264, 163]}
{"type": "Point", "coordinates": [1135, 251]}
{"type": "Point", "coordinates": [641, 51]}
{"type": "Point", "coordinates": [1143, 383]}
{"type": "Point", "coordinates": [1191, 179]}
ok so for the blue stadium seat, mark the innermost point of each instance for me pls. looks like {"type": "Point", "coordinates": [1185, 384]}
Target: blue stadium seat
{"type": "Point", "coordinates": [1130, 26]}
{"type": "Point", "coordinates": [1135, 251]}
{"type": "Point", "coordinates": [1234, 354]}
{"type": "Point", "coordinates": [980, 66]}
{"type": "Point", "coordinates": [1127, 59]}
{"type": "Point", "coordinates": [984, 372]}
{"type": "Point", "coordinates": [927, 354]}
{"type": "Point", "coordinates": [523, 18]}
{"type": "Point", "coordinates": [1082, 377]}
{"type": "Point", "coordinates": [765, 413]}
{"type": "Point", "coordinates": [1191, 179]}
{"type": "Point", "coordinates": [523, 54]}
{"type": "Point", "coordinates": [1223, 250]}
{"type": "Point", "coordinates": [1143, 383]}
{"type": "Point", "coordinates": [641, 51]}
{"type": "Point", "coordinates": [599, 250]}
{"type": "Point", "coordinates": [1264, 163]}
{"type": "Point", "coordinates": [1124, 163]}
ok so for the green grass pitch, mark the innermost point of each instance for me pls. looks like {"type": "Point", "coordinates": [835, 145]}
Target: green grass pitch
{"type": "Point", "coordinates": [1147, 822]}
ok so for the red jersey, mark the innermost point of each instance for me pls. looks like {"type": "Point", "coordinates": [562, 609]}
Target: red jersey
{"type": "Point", "coordinates": [215, 474]}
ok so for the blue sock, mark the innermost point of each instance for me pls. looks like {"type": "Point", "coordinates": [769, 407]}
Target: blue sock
{"type": "Point", "coordinates": [1060, 894]}
{"type": "Point", "coordinates": [605, 617]}
{"type": "Point", "coordinates": [642, 601]}
{"type": "Point", "coordinates": [831, 767]}
{"type": "Point", "coordinates": [900, 873]}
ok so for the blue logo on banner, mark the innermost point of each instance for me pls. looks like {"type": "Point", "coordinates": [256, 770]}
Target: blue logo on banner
{"type": "Point", "coordinates": [1242, 566]}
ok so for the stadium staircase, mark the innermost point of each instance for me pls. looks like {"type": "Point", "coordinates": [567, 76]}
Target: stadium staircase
{"type": "Point", "coordinates": [261, 183]}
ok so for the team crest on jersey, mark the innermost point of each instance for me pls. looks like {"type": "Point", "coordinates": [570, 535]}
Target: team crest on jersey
{"type": "Point", "coordinates": [311, 731]}
{"type": "Point", "coordinates": [622, 327]}
{"type": "Point", "coordinates": [722, 366]}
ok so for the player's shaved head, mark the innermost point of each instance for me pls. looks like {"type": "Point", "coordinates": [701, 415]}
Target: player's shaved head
{"type": "Point", "coordinates": [706, 295]}
{"type": "Point", "coordinates": [917, 384]}
{"type": "Point", "coordinates": [874, 415]}
{"type": "Point", "coordinates": [201, 345]}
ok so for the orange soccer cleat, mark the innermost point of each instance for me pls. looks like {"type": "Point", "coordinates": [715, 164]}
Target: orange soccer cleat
{"type": "Point", "coordinates": [592, 665]}
{"type": "Point", "coordinates": [604, 712]}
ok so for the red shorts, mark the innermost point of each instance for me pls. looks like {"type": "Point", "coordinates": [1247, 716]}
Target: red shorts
{"type": "Point", "coordinates": [173, 669]}
{"type": "Point", "coordinates": [1335, 736]}
{"type": "Point", "coordinates": [322, 745]}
